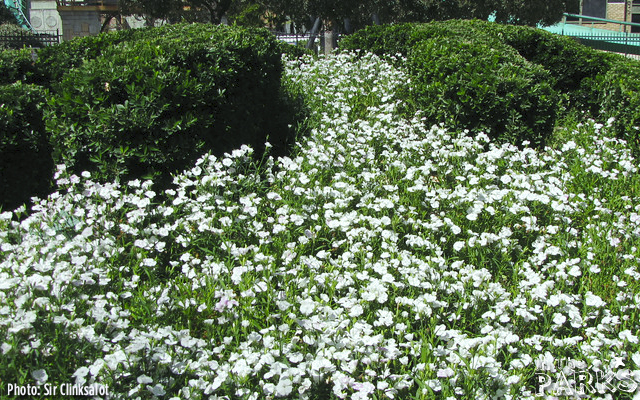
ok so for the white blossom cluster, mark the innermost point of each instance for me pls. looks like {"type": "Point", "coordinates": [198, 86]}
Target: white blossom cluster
{"type": "Point", "coordinates": [383, 259]}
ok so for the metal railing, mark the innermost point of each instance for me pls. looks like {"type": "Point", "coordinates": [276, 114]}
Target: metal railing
{"type": "Point", "coordinates": [88, 3]}
{"type": "Point", "coordinates": [617, 41]}
{"type": "Point", "coordinates": [28, 39]}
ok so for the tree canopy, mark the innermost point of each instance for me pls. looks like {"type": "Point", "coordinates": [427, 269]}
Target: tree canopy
{"type": "Point", "coordinates": [6, 16]}
{"type": "Point", "coordinates": [520, 12]}
{"type": "Point", "coordinates": [177, 10]}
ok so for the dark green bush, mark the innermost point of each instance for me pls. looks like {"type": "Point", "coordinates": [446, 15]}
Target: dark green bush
{"type": "Point", "coordinates": [620, 91]}
{"type": "Point", "coordinates": [294, 51]}
{"type": "Point", "coordinates": [474, 86]}
{"type": "Point", "coordinates": [466, 75]}
{"type": "Point", "coordinates": [153, 106]}
{"type": "Point", "coordinates": [26, 167]}
{"type": "Point", "coordinates": [384, 40]}
{"type": "Point", "coordinates": [575, 70]}
{"type": "Point", "coordinates": [16, 65]}
{"type": "Point", "coordinates": [575, 67]}
{"type": "Point", "coordinates": [55, 61]}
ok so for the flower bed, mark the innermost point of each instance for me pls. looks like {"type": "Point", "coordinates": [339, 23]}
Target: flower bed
{"type": "Point", "coordinates": [383, 258]}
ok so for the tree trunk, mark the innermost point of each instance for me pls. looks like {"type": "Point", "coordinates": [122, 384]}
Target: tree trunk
{"type": "Point", "coordinates": [376, 18]}
{"type": "Point", "coordinates": [314, 33]}
{"type": "Point", "coordinates": [331, 37]}
{"type": "Point", "coordinates": [347, 25]}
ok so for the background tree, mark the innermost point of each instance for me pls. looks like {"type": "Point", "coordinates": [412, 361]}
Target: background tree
{"type": "Point", "coordinates": [152, 10]}
{"type": "Point", "coordinates": [6, 16]}
{"type": "Point", "coordinates": [358, 13]}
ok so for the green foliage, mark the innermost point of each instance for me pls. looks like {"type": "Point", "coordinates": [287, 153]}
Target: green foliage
{"type": "Point", "coordinates": [16, 65]}
{"type": "Point", "coordinates": [481, 88]}
{"type": "Point", "coordinates": [620, 91]}
{"type": "Point", "coordinates": [383, 40]}
{"type": "Point", "coordinates": [26, 166]}
{"type": "Point", "coordinates": [575, 68]}
{"type": "Point", "coordinates": [466, 75]}
{"type": "Point", "coordinates": [55, 61]}
{"type": "Point", "coordinates": [6, 16]}
{"type": "Point", "coordinates": [152, 106]}
{"type": "Point", "coordinates": [295, 51]}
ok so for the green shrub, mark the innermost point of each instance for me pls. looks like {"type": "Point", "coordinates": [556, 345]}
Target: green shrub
{"type": "Point", "coordinates": [54, 62]}
{"type": "Point", "coordinates": [620, 91]}
{"type": "Point", "coordinates": [16, 65]}
{"type": "Point", "coordinates": [295, 51]}
{"type": "Point", "coordinates": [478, 87]}
{"type": "Point", "coordinates": [575, 67]}
{"type": "Point", "coordinates": [152, 106]}
{"type": "Point", "coordinates": [384, 40]}
{"type": "Point", "coordinates": [575, 70]}
{"type": "Point", "coordinates": [26, 166]}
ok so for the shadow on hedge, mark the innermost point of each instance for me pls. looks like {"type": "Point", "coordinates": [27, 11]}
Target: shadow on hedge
{"type": "Point", "coordinates": [148, 103]}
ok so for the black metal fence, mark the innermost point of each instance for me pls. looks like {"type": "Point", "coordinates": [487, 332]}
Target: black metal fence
{"type": "Point", "coordinates": [19, 40]}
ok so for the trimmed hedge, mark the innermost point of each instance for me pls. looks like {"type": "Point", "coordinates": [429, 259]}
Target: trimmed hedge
{"type": "Point", "coordinates": [480, 88]}
{"type": "Point", "coordinates": [26, 166]}
{"type": "Point", "coordinates": [152, 106]}
{"type": "Point", "coordinates": [620, 90]}
{"type": "Point", "coordinates": [54, 62]}
{"type": "Point", "coordinates": [467, 76]}
{"type": "Point", "coordinates": [601, 84]}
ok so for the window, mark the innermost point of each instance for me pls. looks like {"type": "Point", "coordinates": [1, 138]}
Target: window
{"type": "Point", "coordinates": [594, 8]}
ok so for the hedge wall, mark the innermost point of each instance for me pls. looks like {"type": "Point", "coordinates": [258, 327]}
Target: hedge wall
{"type": "Point", "coordinates": [602, 85]}
{"type": "Point", "coordinates": [26, 166]}
{"type": "Point", "coordinates": [140, 103]}
{"type": "Point", "coordinates": [152, 106]}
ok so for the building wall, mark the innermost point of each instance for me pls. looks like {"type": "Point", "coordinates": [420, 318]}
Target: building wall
{"type": "Point", "coordinates": [79, 23]}
{"type": "Point", "coordinates": [615, 11]}
{"type": "Point", "coordinates": [618, 10]}
{"type": "Point", "coordinates": [44, 16]}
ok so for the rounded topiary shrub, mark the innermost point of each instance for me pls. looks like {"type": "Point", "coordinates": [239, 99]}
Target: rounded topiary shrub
{"type": "Point", "coordinates": [26, 167]}
{"type": "Point", "coordinates": [54, 62]}
{"type": "Point", "coordinates": [620, 91]}
{"type": "Point", "coordinates": [469, 85]}
{"type": "Point", "coordinates": [153, 106]}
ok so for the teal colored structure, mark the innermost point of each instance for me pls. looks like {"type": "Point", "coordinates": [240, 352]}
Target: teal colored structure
{"type": "Point", "coordinates": [20, 9]}
{"type": "Point", "coordinates": [602, 39]}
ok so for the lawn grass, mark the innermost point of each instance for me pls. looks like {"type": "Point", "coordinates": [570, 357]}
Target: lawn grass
{"type": "Point", "coordinates": [382, 259]}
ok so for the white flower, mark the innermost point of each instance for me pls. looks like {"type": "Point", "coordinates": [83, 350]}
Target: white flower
{"type": "Point", "coordinates": [559, 319]}
{"type": "Point", "coordinates": [284, 387]}
{"type": "Point", "coordinates": [385, 318]}
{"type": "Point", "coordinates": [593, 300]}
{"type": "Point", "coordinates": [457, 246]}
{"type": "Point", "coordinates": [157, 390]}
{"type": "Point", "coordinates": [356, 311]}
{"type": "Point", "coordinates": [307, 306]}
{"type": "Point", "coordinates": [40, 375]}
{"type": "Point", "coordinates": [143, 379]}
{"type": "Point", "coordinates": [628, 336]}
